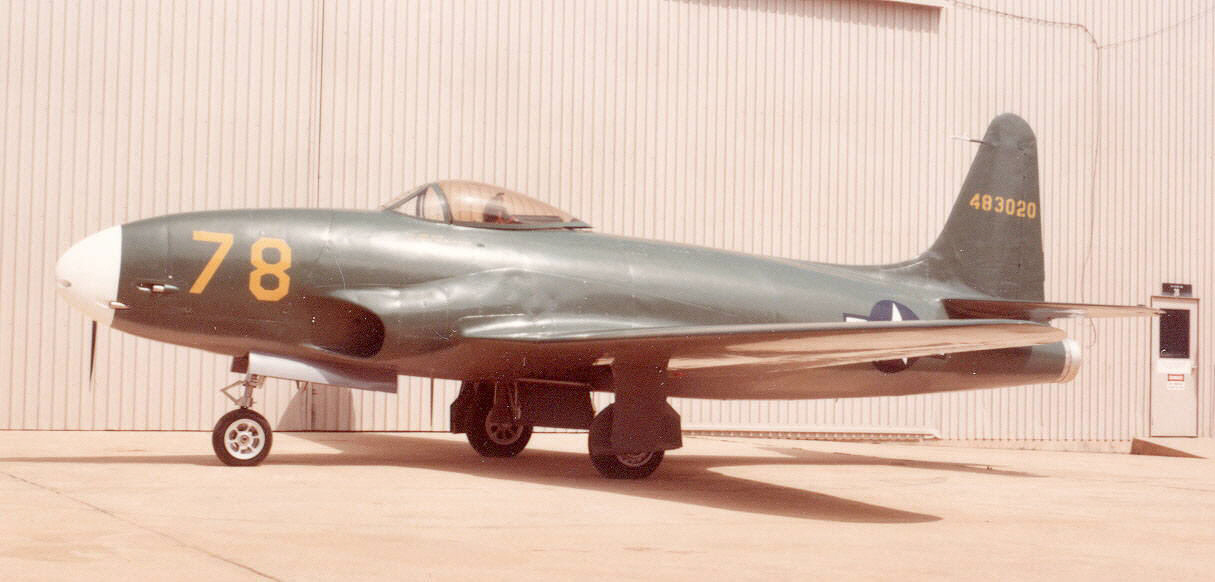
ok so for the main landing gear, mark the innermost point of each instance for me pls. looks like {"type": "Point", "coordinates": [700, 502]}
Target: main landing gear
{"type": "Point", "coordinates": [242, 438]}
{"type": "Point", "coordinates": [497, 418]}
{"type": "Point", "coordinates": [618, 466]}
{"type": "Point", "coordinates": [493, 425]}
{"type": "Point", "coordinates": [489, 414]}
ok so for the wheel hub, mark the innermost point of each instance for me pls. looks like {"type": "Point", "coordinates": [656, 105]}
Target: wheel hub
{"type": "Point", "coordinates": [503, 433]}
{"type": "Point", "coordinates": [634, 460]}
{"type": "Point", "coordinates": [244, 439]}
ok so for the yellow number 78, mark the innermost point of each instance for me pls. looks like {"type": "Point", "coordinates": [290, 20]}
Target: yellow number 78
{"type": "Point", "coordinates": [261, 267]}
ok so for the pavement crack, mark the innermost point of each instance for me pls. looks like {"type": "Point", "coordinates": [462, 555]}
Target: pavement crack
{"type": "Point", "coordinates": [141, 526]}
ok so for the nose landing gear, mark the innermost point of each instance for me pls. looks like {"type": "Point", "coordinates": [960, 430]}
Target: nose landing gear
{"type": "Point", "coordinates": [242, 437]}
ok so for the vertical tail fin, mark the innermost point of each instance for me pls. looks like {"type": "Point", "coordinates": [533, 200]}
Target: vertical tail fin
{"type": "Point", "coordinates": [992, 242]}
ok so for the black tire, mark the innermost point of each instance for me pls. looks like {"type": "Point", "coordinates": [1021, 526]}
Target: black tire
{"type": "Point", "coordinates": [623, 466]}
{"type": "Point", "coordinates": [635, 466]}
{"type": "Point", "coordinates": [494, 439]}
{"type": "Point", "coordinates": [242, 438]}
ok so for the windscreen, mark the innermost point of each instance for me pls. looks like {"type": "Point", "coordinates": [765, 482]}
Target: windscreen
{"type": "Point", "coordinates": [426, 203]}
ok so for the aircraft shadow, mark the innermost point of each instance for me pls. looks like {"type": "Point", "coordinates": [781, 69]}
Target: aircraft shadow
{"type": "Point", "coordinates": [683, 478]}
{"type": "Point", "coordinates": [868, 460]}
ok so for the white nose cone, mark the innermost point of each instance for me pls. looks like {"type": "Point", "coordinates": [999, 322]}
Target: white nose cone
{"type": "Point", "coordinates": [88, 274]}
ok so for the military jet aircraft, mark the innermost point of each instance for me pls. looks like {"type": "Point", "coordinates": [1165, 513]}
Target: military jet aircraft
{"type": "Point", "coordinates": [533, 311]}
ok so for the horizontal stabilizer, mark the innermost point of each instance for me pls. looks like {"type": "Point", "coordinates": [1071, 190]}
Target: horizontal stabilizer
{"type": "Point", "coordinates": [781, 346]}
{"type": "Point", "coordinates": [1037, 310]}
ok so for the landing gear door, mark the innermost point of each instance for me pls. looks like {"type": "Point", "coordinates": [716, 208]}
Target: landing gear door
{"type": "Point", "coordinates": [1174, 399]}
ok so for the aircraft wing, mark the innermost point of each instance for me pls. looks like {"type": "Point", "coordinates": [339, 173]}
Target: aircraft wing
{"type": "Point", "coordinates": [1039, 311]}
{"type": "Point", "coordinates": [786, 345]}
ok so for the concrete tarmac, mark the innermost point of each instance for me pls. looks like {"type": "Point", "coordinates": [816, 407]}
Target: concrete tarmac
{"type": "Point", "coordinates": [326, 506]}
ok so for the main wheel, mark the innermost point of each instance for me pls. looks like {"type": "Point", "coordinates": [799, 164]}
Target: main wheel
{"type": "Point", "coordinates": [625, 465]}
{"type": "Point", "coordinates": [495, 439]}
{"type": "Point", "coordinates": [242, 438]}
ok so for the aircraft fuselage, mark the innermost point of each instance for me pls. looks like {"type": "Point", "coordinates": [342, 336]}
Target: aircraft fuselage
{"type": "Point", "coordinates": [385, 290]}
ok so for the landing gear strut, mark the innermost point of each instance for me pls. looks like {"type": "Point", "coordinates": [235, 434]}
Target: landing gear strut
{"type": "Point", "coordinates": [242, 438]}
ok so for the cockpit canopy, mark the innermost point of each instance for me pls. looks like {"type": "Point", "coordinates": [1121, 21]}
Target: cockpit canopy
{"type": "Point", "coordinates": [480, 205]}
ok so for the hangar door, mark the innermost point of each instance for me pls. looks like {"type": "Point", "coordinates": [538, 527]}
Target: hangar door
{"type": "Point", "coordinates": [1174, 400]}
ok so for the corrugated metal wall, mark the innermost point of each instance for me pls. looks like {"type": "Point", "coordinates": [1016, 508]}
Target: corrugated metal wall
{"type": "Point", "coordinates": [808, 129]}
{"type": "Point", "coordinates": [117, 111]}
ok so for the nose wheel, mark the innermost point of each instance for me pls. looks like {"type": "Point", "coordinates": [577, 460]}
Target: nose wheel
{"type": "Point", "coordinates": [242, 437]}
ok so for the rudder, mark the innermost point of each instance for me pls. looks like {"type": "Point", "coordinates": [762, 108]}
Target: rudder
{"type": "Point", "coordinates": [992, 241]}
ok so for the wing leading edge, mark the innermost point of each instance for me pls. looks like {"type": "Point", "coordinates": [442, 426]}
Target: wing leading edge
{"type": "Point", "coordinates": [800, 345]}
